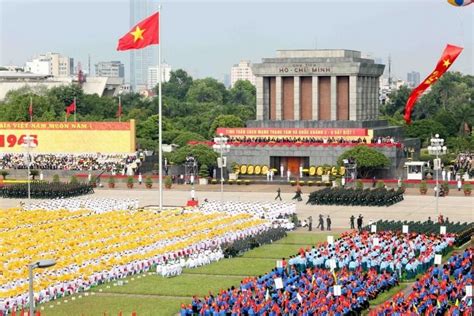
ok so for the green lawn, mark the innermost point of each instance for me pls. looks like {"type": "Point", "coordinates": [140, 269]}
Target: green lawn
{"type": "Point", "coordinates": [307, 239]}
{"type": "Point", "coordinates": [111, 305]}
{"type": "Point", "coordinates": [183, 285]}
{"type": "Point", "coordinates": [236, 266]}
{"type": "Point", "coordinates": [141, 294]}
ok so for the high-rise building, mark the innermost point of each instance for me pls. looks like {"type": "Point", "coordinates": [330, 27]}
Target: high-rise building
{"type": "Point", "coordinates": [413, 79]}
{"type": "Point", "coordinates": [141, 59]}
{"type": "Point", "coordinates": [153, 75]}
{"type": "Point", "coordinates": [109, 69]}
{"type": "Point", "coordinates": [51, 64]}
{"type": "Point", "coordinates": [242, 71]}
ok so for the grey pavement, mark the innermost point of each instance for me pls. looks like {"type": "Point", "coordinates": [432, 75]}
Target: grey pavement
{"type": "Point", "coordinates": [414, 207]}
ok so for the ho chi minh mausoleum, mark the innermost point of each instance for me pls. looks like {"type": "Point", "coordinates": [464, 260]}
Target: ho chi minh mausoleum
{"type": "Point", "coordinates": [312, 105]}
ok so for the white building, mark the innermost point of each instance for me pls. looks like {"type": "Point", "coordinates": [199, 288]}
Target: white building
{"type": "Point", "coordinates": [52, 64]}
{"type": "Point", "coordinates": [110, 69]}
{"type": "Point", "coordinates": [103, 86]}
{"type": "Point", "coordinates": [39, 66]}
{"type": "Point", "coordinates": [242, 71]}
{"type": "Point", "coordinates": [153, 75]}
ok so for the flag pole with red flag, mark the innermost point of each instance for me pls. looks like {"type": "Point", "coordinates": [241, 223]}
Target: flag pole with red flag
{"type": "Point", "coordinates": [30, 109]}
{"type": "Point", "coordinates": [160, 120]}
{"type": "Point", "coordinates": [119, 111]}
{"type": "Point", "coordinates": [144, 33]}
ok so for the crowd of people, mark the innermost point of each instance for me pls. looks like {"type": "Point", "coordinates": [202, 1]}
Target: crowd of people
{"type": "Point", "coordinates": [278, 213]}
{"type": "Point", "coordinates": [464, 161]}
{"type": "Point", "coordinates": [97, 205]}
{"type": "Point", "coordinates": [442, 289]}
{"type": "Point", "coordinates": [96, 246]}
{"type": "Point", "coordinates": [75, 162]}
{"type": "Point", "coordinates": [310, 139]}
{"type": "Point", "coordinates": [360, 265]}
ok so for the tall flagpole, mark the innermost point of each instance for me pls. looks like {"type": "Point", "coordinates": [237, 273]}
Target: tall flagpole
{"type": "Point", "coordinates": [160, 150]}
{"type": "Point", "coordinates": [31, 109]}
{"type": "Point", "coordinates": [75, 109]}
{"type": "Point", "coordinates": [120, 110]}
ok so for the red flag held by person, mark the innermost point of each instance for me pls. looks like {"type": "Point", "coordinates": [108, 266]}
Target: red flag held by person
{"type": "Point", "coordinates": [143, 34]}
{"type": "Point", "coordinates": [448, 57]}
{"type": "Point", "coordinates": [71, 108]}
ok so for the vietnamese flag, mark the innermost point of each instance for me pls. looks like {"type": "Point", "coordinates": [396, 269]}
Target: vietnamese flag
{"type": "Point", "coordinates": [71, 108]}
{"type": "Point", "coordinates": [143, 34]}
{"type": "Point", "coordinates": [448, 57]}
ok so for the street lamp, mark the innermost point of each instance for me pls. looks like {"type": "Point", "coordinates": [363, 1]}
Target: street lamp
{"type": "Point", "coordinates": [437, 149]}
{"type": "Point", "coordinates": [36, 265]}
{"type": "Point", "coordinates": [28, 142]}
{"type": "Point", "coordinates": [221, 146]}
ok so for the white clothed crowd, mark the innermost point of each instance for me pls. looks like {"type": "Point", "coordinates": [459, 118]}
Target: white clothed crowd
{"type": "Point", "coordinates": [276, 212]}
{"type": "Point", "coordinates": [77, 162]}
{"type": "Point", "coordinates": [97, 205]}
{"type": "Point", "coordinates": [175, 267]}
{"type": "Point", "coordinates": [199, 253]}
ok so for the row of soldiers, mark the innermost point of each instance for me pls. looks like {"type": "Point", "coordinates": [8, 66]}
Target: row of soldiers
{"type": "Point", "coordinates": [244, 244]}
{"type": "Point", "coordinates": [46, 190]}
{"type": "Point", "coordinates": [349, 196]}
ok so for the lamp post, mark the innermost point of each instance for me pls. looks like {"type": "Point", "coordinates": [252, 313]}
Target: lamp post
{"type": "Point", "coordinates": [28, 142]}
{"type": "Point", "coordinates": [437, 149]}
{"type": "Point", "coordinates": [221, 146]}
{"type": "Point", "coordinates": [41, 265]}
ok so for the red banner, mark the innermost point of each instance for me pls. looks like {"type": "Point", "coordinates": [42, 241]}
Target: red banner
{"type": "Point", "coordinates": [90, 126]}
{"type": "Point", "coordinates": [292, 132]}
{"type": "Point", "coordinates": [448, 57]}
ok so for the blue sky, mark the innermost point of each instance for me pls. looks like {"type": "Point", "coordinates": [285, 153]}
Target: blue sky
{"type": "Point", "coordinates": [207, 38]}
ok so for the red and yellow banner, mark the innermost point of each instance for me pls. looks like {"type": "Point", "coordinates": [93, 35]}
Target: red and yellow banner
{"type": "Point", "coordinates": [448, 57]}
{"type": "Point", "coordinates": [293, 132]}
{"type": "Point", "coordinates": [63, 137]}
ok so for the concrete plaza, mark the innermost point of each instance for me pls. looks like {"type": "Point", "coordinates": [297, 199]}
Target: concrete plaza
{"type": "Point", "coordinates": [415, 207]}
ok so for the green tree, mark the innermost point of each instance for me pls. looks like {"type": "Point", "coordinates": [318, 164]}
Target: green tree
{"type": "Point", "coordinates": [207, 90]}
{"type": "Point", "coordinates": [203, 154]}
{"type": "Point", "coordinates": [184, 137]}
{"type": "Point", "coordinates": [447, 119]}
{"type": "Point", "coordinates": [243, 92]}
{"type": "Point", "coordinates": [395, 119]}
{"type": "Point", "coordinates": [425, 129]}
{"type": "Point", "coordinates": [225, 121]}
{"type": "Point", "coordinates": [397, 101]}
{"type": "Point", "coordinates": [367, 159]}
{"type": "Point", "coordinates": [178, 85]}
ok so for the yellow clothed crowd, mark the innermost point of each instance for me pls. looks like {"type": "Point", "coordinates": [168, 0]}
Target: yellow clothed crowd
{"type": "Point", "coordinates": [83, 242]}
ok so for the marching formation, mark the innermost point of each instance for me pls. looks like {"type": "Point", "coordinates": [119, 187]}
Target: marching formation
{"type": "Point", "coordinates": [46, 190]}
{"type": "Point", "coordinates": [367, 197]}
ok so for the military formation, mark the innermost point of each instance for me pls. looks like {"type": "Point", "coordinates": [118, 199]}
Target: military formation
{"type": "Point", "coordinates": [244, 244]}
{"type": "Point", "coordinates": [350, 196]}
{"type": "Point", "coordinates": [46, 190]}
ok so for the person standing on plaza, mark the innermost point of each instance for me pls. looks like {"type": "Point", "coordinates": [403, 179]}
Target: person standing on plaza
{"type": "Point", "coordinates": [360, 221]}
{"type": "Point", "coordinates": [328, 223]}
{"type": "Point", "coordinates": [352, 218]}
{"type": "Point", "coordinates": [310, 223]}
{"type": "Point", "coordinates": [278, 194]}
{"type": "Point", "coordinates": [321, 222]}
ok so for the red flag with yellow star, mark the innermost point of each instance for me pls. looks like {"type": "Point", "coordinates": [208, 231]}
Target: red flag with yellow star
{"type": "Point", "coordinates": [143, 34]}
{"type": "Point", "coordinates": [450, 54]}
